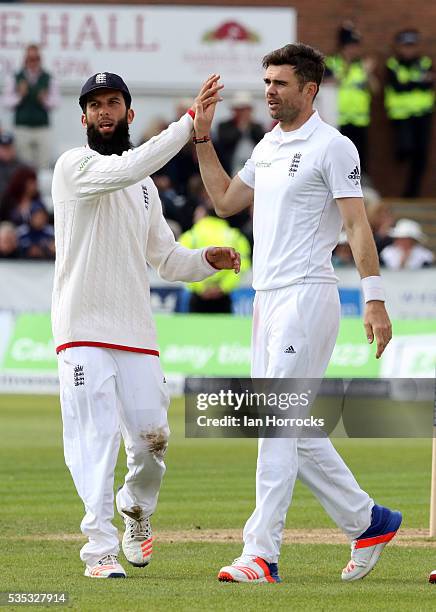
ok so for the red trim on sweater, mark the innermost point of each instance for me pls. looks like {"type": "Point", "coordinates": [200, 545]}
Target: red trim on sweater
{"type": "Point", "coordinates": [191, 112]}
{"type": "Point", "coordinates": [117, 347]}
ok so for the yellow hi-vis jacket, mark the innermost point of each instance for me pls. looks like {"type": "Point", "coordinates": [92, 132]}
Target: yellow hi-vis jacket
{"type": "Point", "coordinates": [212, 231]}
{"type": "Point", "coordinates": [354, 96]}
{"type": "Point", "coordinates": [408, 93]}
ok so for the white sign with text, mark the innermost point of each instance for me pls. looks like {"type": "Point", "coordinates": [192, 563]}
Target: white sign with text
{"type": "Point", "coordinates": [150, 46]}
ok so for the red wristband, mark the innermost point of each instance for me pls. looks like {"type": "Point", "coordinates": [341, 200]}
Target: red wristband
{"type": "Point", "coordinates": [191, 112]}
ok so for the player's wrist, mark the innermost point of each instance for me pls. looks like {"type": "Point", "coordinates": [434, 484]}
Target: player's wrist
{"type": "Point", "coordinates": [372, 288]}
{"type": "Point", "coordinates": [200, 139]}
{"type": "Point", "coordinates": [206, 256]}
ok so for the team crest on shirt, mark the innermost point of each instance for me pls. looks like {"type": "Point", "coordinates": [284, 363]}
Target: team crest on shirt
{"type": "Point", "coordinates": [355, 175]}
{"type": "Point", "coordinates": [295, 164]}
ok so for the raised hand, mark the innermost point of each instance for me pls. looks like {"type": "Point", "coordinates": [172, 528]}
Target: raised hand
{"type": "Point", "coordinates": [224, 258]}
{"type": "Point", "coordinates": [204, 105]}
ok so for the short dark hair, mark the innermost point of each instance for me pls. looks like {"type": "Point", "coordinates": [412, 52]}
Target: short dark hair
{"type": "Point", "coordinates": [308, 62]}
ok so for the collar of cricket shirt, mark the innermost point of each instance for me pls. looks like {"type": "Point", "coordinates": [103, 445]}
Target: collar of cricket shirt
{"type": "Point", "coordinates": [302, 133]}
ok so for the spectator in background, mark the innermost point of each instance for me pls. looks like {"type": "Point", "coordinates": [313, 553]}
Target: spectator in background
{"type": "Point", "coordinates": [21, 197]}
{"type": "Point", "coordinates": [356, 81]}
{"type": "Point", "coordinates": [406, 252]}
{"type": "Point", "coordinates": [36, 238]}
{"type": "Point", "coordinates": [409, 102]}
{"type": "Point", "coordinates": [381, 219]}
{"type": "Point", "coordinates": [32, 94]}
{"type": "Point", "coordinates": [237, 137]}
{"type": "Point", "coordinates": [342, 254]}
{"type": "Point", "coordinates": [235, 140]}
{"type": "Point", "coordinates": [212, 295]}
{"type": "Point", "coordinates": [9, 248]}
{"type": "Point", "coordinates": [9, 161]}
{"type": "Point", "coordinates": [183, 166]}
{"type": "Point", "coordinates": [173, 204]}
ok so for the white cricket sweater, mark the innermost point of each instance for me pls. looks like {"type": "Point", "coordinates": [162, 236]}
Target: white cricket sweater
{"type": "Point", "coordinates": [108, 226]}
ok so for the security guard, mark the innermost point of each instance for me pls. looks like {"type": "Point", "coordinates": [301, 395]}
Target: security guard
{"type": "Point", "coordinates": [356, 82]}
{"type": "Point", "coordinates": [214, 296]}
{"type": "Point", "coordinates": [409, 102]}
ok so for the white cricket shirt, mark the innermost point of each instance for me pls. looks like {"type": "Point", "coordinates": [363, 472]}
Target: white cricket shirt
{"type": "Point", "coordinates": [108, 226]}
{"type": "Point", "coordinates": [296, 177]}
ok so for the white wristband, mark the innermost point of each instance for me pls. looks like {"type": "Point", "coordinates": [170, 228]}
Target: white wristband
{"type": "Point", "coordinates": [372, 288]}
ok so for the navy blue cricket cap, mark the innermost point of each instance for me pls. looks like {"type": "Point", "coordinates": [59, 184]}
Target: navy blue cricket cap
{"type": "Point", "coordinates": [105, 80]}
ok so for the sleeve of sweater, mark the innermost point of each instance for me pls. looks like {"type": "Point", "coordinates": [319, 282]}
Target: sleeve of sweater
{"type": "Point", "coordinates": [90, 174]}
{"type": "Point", "coordinates": [171, 260]}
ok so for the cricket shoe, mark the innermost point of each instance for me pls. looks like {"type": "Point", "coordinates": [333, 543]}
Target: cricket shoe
{"type": "Point", "coordinates": [138, 537]}
{"type": "Point", "coordinates": [249, 568]}
{"type": "Point", "coordinates": [106, 567]}
{"type": "Point", "coordinates": [367, 548]}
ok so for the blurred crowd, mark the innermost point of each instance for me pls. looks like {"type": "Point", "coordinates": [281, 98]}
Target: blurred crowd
{"type": "Point", "coordinates": [406, 80]}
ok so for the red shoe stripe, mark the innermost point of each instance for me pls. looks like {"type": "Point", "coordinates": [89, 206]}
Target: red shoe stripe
{"type": "Point", "coordinates": [149, 541]}
{"type": "Point", "coordinates": [250, 573]}
{"type": "Point", "coordinates": [261, 563]}
{"type": "Point", "coordinates": [386, 537]}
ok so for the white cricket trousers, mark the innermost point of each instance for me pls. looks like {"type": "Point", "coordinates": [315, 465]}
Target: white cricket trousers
{"type": "Point", "coordinates": [305, 317]}
{"type": "Point", "coordinates": [106, 394]}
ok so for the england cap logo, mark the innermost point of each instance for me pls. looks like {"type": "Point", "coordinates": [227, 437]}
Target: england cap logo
{"type": "Point", "coordinates": [104, 80]}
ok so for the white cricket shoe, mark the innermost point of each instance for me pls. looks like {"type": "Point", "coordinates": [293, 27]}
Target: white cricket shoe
{"type": "Point", "coordinates": [249, 568]}
{"type": "Point", "coordinates": [366, 550]}
{"type": "Point", "coordinates": [106, 567]}
{"type": "Point", "coordinates": [138, 537]}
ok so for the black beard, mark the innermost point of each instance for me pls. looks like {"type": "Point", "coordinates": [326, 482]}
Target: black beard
{"type": "Point", "coordinates": [110, 144]}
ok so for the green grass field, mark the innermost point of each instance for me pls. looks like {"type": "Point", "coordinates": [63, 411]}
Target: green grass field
{"type": "Point", "coordinates": [208, 488]}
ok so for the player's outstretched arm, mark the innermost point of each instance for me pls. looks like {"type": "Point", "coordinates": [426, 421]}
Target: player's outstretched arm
{"type": "Point", "coordinates": [90, 174]}
{"type": "Point", "coordinates": [229, 196]}
{"type": "Point", "coordinates": [376, 319]}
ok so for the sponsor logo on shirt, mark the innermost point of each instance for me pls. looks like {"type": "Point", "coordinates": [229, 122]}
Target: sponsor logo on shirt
{"type": "Point", "coordinates": [290, 350]}
{"type": "Point", "coordinates": [145, 194]}
{"type": "Point", "coordinates": [79, 376]}
{"type": "Point", "coordinates": [84, 161]}
{"type": "Point", "coordinates": [294, 165]}
{"type": "Point", "coordinates": [355, 175]}
{"type": "Point", "coordinates": [263, 164]}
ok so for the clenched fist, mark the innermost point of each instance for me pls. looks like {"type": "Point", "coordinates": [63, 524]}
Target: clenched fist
{"type": "Point", "coordinates": [224, 258]}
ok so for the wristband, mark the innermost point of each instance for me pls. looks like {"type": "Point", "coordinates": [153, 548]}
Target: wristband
{"type": "Point", "coordinates": [201, 140]}
{"type": "Point", "coordinates": [372, 288]}
{"type": "Point", "coordinates": [191, 113]}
